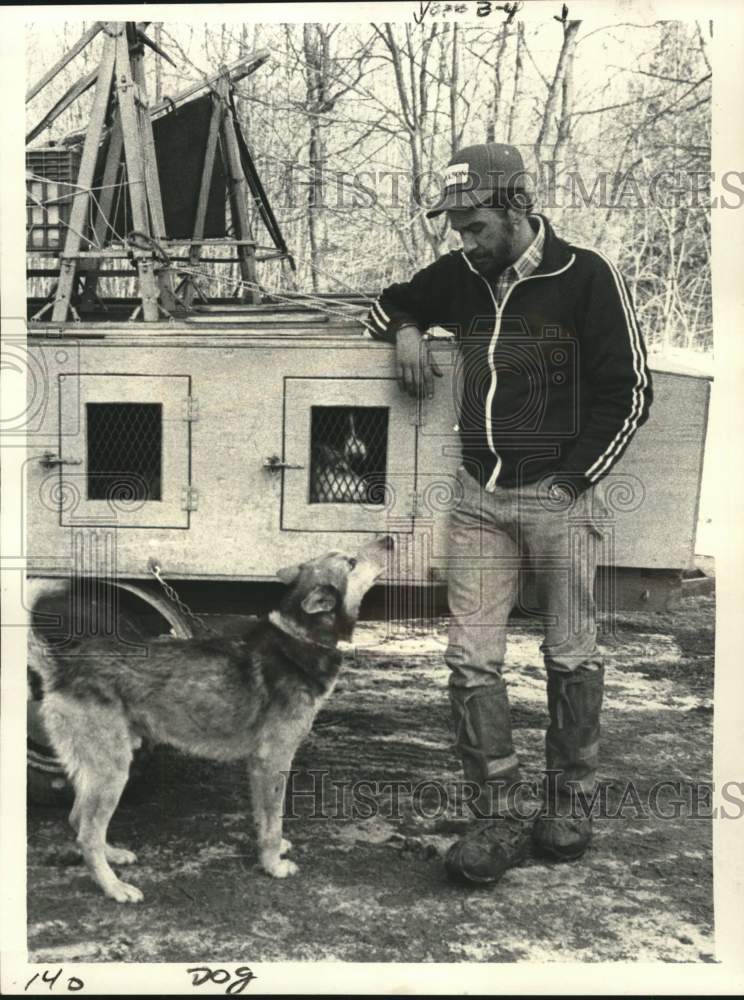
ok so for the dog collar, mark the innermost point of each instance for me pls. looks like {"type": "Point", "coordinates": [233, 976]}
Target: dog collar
{"type": "Point", "coordinates": [279, 621]}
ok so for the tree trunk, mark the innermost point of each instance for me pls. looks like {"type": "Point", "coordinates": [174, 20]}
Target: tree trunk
{"type": "Point", "coordinates": [493, 124]}
{"type": "Point", "coordinates": [412, 82]}
{"type": "Point", "coordinates": [518, 68]}
{"type": "Point", "coordinates": [567, 91]}
{"type": "Point", "coordinates": [455, 136]}
{"type": "Point", "coordinates": [314, 80]}
{"type": "Point", "coordinates": [555, 90]}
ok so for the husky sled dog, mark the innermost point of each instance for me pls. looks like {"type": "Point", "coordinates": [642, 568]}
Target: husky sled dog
{"type": "Point", "coordinates": [337, 465]}
{"type": "Point", "coordinates": [254, 696]}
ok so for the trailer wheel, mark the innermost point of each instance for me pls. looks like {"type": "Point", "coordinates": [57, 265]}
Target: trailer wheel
{"type": "Point", "coordinates": [142, 614]}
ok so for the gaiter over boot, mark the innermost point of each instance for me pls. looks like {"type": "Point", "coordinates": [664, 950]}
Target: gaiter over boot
{"type": "Point", "coordinates": [500, 836]}
{"type": "Point", "coordinates": [564, 830]}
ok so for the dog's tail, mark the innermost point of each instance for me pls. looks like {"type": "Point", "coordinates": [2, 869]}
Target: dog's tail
{"type": "Point", "coordinates": [44, 586]}
{"type": "Point", "coordinates": [40, 657]}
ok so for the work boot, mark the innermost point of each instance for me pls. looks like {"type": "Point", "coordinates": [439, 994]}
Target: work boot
{"type": "Point", "coordinates": [500, 836]}
{"type": "Point", "coordinates": [563, 830]}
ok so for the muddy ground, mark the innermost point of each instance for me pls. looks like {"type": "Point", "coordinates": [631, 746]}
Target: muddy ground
{"type": "Point", "coordinates": [372, 888]}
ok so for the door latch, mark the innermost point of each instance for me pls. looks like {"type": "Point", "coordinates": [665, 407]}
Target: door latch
{"type": "Point", "coordinates": [274, 464]}
{"type": "Point", "coordinates": [49, 460]}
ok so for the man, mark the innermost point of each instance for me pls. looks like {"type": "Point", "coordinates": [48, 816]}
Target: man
{"type": "Point", "coordinates": [552, 384]}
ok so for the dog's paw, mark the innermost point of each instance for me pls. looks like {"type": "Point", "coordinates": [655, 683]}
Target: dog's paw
{"type": "Point", "coordinates": [122, 892]}
{"type": "Point", "coordinates": [286, 846]}
{"type": "Point", "coordinates": [281, 868]}
{"type": "Point", "coordinates": [120, 855]}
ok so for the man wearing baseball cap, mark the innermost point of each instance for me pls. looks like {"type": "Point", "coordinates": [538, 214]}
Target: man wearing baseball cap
{"type": "Point", "coordinates": [552, 383]}
{"type": "Point", "coordinates": [478, 173]}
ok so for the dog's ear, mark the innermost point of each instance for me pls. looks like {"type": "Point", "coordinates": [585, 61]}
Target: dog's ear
{"type": "Point", "coordinates": [321, 598]}
{"type": "Point", "coordinates": [288, 574]}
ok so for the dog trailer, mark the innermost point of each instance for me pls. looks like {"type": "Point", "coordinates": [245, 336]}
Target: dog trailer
{"type": "Point", "coordinates": [239, 440]}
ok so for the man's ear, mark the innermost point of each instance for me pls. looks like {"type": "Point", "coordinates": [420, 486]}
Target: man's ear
{"type": "Point", "coordinates": [321, 598]}
{"type": "Point", "coordinates": [519, 207]}
{"type": "Point", "coordinates": [288, 574]}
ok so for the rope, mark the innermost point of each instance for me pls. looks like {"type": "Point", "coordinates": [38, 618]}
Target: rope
{"type": "Point", "coordinates": [346, 309]}
{"type": "Point", "coordinates": [47, 180]}
{"type": "Point", "coordinates": [320, 305]}
{"type": "Point", "coordinates": [332, 277]}
{"type": "Point", "coordinates": [121, 185]}
{"type": "Point", "coordinates": [121, 189]}
{"type": "Point", "coordinates": [67, 225]}
{"type": "Point", "coordinates": [118, 187]}
{"type": "Point", "coordinates": [138, 240]}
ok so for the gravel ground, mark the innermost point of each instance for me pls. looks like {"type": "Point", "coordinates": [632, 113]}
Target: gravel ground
{"type": "Point", "coordinates": [372, 887]}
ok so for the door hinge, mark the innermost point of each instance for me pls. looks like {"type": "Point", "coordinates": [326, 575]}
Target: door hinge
{"type": "Point", "coordinates": [189, 498]}
{"type": "Point", "coordinates": [191, 408]}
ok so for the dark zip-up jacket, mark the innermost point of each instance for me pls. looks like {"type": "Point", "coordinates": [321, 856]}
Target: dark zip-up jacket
{"type": "Point", "coordinates": [554, 383]}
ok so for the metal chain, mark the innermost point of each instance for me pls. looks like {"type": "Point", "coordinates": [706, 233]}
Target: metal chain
{"type": "Point", "coordinates": [173, 596]}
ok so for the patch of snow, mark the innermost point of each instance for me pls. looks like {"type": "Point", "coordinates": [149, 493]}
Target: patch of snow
{"type": "Point", "coordinates": [368, 831]}
{"type": "Point", "coordinates": [376, 636]}
{"type": "Point", "coordinates": [410, 740]}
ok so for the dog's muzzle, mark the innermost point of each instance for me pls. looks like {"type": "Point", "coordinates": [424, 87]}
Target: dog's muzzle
{"type": "Point", "coordinates": [376, 554]}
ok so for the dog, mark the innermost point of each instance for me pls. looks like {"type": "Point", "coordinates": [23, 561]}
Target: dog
{"type": "Point", "coordinates": [254, 696]}
{"type": "Point", "coordinates": [334, 479]}
{"type": "Point", "coordinates": [337, 465]}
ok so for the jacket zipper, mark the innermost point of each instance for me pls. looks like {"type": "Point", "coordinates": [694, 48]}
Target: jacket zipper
{"type": "Point", "coordinates": [490, 485]}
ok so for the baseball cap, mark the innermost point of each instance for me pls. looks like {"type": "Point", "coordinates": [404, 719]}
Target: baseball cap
{"type": "Point", "coordinates": [477, 174]}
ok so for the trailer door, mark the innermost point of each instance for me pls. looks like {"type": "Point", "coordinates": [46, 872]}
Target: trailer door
{"type": "Point", "coordinates": [349, 461]}
{"type": "Point", "coordinates": [125, 450]}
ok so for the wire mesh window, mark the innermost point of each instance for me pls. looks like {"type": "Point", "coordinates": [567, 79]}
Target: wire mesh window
{"type": "Point", "coordinates": [125, 445]}
{"type": "Point", "coordinates": [348, 454]}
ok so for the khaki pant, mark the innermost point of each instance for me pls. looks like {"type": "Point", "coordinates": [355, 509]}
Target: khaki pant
{"type": "Point", "coordinates": [492, 535]}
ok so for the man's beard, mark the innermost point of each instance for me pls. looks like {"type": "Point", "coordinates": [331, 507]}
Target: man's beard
{"type": "Point", "coordinates": [492, 265]}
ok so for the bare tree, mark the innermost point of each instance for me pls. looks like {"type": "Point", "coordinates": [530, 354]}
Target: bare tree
{"type": "Point", "coordinates": [518, 71]}
{"type": "Point", "coordinates": [556, 114]}
{"type": "Point", "coordinates": [494, 120]}
{"type": "Point", "coordinates": [413, 81]}
{"type": "Point", "coordinates": [350, 126]}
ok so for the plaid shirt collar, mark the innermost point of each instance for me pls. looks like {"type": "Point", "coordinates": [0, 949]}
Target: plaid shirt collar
{"type": "Point", "coordinates": [522, 266]}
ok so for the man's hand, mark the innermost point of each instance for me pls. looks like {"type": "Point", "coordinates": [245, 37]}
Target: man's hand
{"type": "Point", "coordinates": [415, 365]}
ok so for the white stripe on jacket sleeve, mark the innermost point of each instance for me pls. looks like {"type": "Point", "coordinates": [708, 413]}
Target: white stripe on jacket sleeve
{"type": "Point", "coordinates": [379, 317]}
{"type": "Point", "coordinates": [381, 311]}
{"type": "Point", "coordinates": [630, 424]}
